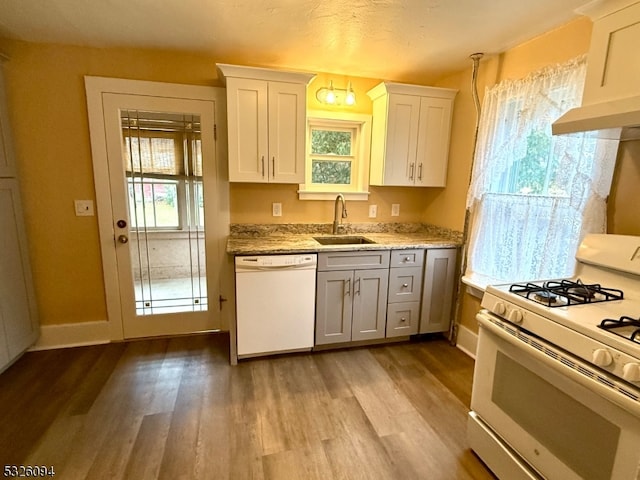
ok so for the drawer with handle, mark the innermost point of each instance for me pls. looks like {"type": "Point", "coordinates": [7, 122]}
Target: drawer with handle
{"type": "Point", "coordinates": [405, 284]}
{"type": "Point", "coordinates": [406, 258]}
{"type": "Point", "coordinates": [402, 319]}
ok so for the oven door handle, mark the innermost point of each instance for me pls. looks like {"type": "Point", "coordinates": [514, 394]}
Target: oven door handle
{"type": "Point", "coordinates": [587, 376]}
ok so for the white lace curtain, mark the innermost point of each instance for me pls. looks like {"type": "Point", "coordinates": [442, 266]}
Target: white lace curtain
{"type": "Point", "coordinates": [533, 196]}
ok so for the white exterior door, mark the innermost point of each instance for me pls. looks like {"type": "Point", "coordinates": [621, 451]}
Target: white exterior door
{"type": "Point", "coordinates": [160, 209]}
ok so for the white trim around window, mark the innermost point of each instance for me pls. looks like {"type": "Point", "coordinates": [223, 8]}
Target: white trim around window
{"type": "Point", "coordinates": [360, 126]}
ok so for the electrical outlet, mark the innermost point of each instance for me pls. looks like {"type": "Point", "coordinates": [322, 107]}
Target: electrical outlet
{"type": "Point", "coordinates": [395, 210]}
{"type": "Point", "coordinates": [84, 208]}
{"type": "Point", "coordinates": [373, 211]}
{"type": "Point", "coordinates": [276, 209]}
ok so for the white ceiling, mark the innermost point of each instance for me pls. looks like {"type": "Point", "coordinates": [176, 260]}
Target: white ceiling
{"type": "Point", "coordinates": [387, 39]}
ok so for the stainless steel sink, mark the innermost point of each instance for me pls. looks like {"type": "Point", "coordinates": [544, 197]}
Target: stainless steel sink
{"type": "Point", "coordinates": [343, 240]}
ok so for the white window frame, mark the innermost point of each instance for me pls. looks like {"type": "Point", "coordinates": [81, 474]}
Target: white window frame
{"type": "Point", "coordinates": [187, 220]}
{"type": "Point", "coordinates": [360, 125]}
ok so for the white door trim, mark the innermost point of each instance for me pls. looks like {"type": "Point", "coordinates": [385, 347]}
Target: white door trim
{"type": "Point", "coordinates": [95, 88]}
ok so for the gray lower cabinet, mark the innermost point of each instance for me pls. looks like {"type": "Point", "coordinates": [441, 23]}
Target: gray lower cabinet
{"type": "Point", "coordinates": [438, 290]}
{"type": "Point", "coordinates": [351, 304]}
{"type": "Point", "coordinates": [405, 290]}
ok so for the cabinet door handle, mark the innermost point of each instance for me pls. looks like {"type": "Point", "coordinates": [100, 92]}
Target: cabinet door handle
{"type": "Point", "coordinates": [420, 171]}
{"type": "Point", "coordinates": [348, 286]}
{"type": "Point", "coordinates": [262, 166]}
{"type": "Point", "coordinates": [405, 285]}
{"type": "Point", "coordinates": [357, 292]}
{"type": "Point", "coordinates": [411, 171]}
{"type": "Point", "coordinates": [273, 167]}
{"type": "Point", "coordinates": [403, 319]}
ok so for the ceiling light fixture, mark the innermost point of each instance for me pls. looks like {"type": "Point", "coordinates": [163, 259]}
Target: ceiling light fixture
{"type": "Point", "coordinates": [336, 96]}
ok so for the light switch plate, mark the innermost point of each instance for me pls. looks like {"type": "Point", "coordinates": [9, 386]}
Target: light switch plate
{"type": "Point", "coordinates": [395, 210]}
{"type": "Point", "coordinates": [84, 208]}
{"type": "Point", "coordinates": [276, 209]}
{"type": "Point", "coordinates": [373, 211]}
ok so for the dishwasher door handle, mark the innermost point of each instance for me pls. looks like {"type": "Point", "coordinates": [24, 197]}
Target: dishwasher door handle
{"type": "Point", "coordinates": [273, 268]}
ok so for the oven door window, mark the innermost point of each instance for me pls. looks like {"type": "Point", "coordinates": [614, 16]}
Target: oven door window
{"type": "Point", "coordinates": [586, 442]}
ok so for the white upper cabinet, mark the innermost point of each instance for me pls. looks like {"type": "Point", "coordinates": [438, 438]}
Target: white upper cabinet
{"type": "Point", "coordinates": [614, 63]}
{"type": "Point", "coordinates": [410, 134]}
{"type": "Point", "coordinates": [266, 124]}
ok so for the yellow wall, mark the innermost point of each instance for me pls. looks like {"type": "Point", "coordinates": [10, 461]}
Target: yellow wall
{"type": "Point", "coordinates": [623, 212]}
{"type": "Point", "coordinates": [48, 113]}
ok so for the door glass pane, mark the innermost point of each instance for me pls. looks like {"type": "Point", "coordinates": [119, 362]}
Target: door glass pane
{"type": "Point", "coordinates": [163, 163]}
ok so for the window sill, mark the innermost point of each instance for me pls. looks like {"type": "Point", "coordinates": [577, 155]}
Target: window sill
{"type": "Point", "coordinates": [477, 284]}
{"type": "Point", "coordinates": [311, 195]}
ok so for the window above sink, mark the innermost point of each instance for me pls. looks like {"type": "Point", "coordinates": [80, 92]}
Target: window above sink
{"type": "Point", "coordinates": [337, 156]}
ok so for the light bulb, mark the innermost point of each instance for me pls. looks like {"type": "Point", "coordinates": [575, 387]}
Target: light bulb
{"type": "Point", "coordinates": [331, 95]}
{"type": "Point", "coordinates": [350, 98]}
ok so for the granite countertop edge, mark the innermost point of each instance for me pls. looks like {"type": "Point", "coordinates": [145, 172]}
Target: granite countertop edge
{"type": "Point", "coordinates": [298, 238]}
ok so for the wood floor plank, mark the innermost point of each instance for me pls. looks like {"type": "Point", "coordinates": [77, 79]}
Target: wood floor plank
{"type": "Point", "coordinates": [375, 390]}
{"type": "Point", "coordinates": [356, 457]}
{"type": "Point", "coordinates": [331, 374]}
{"type": "Point", "coordinates": [308, 463]}
{"type": "Point", "coordinates": [245, 442]}
{"type": "Point", "coordinates": [213, 457]}
{"type": "Point", "coordinates": [55, 446]}
{"type": "Point", "coordinates": [146, 455]}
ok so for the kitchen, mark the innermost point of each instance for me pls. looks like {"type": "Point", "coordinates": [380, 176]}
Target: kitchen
{"type": "Point", "coordinates": [73, 308]}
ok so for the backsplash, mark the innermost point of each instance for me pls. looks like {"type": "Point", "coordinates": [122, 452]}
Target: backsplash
{"type": "Point", "coordinates": [259, 230]}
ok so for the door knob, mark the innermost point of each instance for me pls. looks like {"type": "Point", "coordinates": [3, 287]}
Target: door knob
{"type": "Point", "coordinates": [123, 239]}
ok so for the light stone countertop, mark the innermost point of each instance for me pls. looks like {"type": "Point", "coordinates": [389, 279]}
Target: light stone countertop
{"type": "Point", "coordinates": [298, 238]}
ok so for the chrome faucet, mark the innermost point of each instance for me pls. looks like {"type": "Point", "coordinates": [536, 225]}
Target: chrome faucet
{"type": "Point", "coordinates": [336, 221]}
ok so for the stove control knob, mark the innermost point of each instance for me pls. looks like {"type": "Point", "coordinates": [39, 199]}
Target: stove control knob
{"type": "Point", "coordinates": [515, 316]}
{"type": "Point", "coordinates": [500, 308]}
{"type": "Point", "coordinates": [631, 372]}
{"type": "Point", "coordinates": [602, 357]}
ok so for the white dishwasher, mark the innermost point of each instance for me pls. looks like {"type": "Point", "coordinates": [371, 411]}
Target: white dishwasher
{"type": "Point", "coordinates": [275, 303]}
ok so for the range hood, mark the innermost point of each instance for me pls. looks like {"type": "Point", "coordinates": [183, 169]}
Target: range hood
{"type": "Point", "coordinates": [611, 98]}
{"type": "Point", "coordinates": [623, 113]}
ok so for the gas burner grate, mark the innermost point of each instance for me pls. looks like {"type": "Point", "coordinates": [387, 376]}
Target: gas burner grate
{"type": "Point", "coordinates": [564, 293]}
{"type": "Point", "coordinates": [626, 327]}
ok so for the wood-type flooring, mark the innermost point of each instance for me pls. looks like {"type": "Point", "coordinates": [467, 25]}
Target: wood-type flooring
{"type": "Point", "coordinates": [173, 408]}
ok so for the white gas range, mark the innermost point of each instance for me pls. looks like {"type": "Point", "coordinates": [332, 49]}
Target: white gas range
{"type": "Point", "coordinates": [558, 370]}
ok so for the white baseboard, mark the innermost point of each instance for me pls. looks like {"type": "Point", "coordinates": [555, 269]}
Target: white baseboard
{"type": "Point", "coordinates": [467, 341]}
{"type": "Point", "coordinates": [72, 335]}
